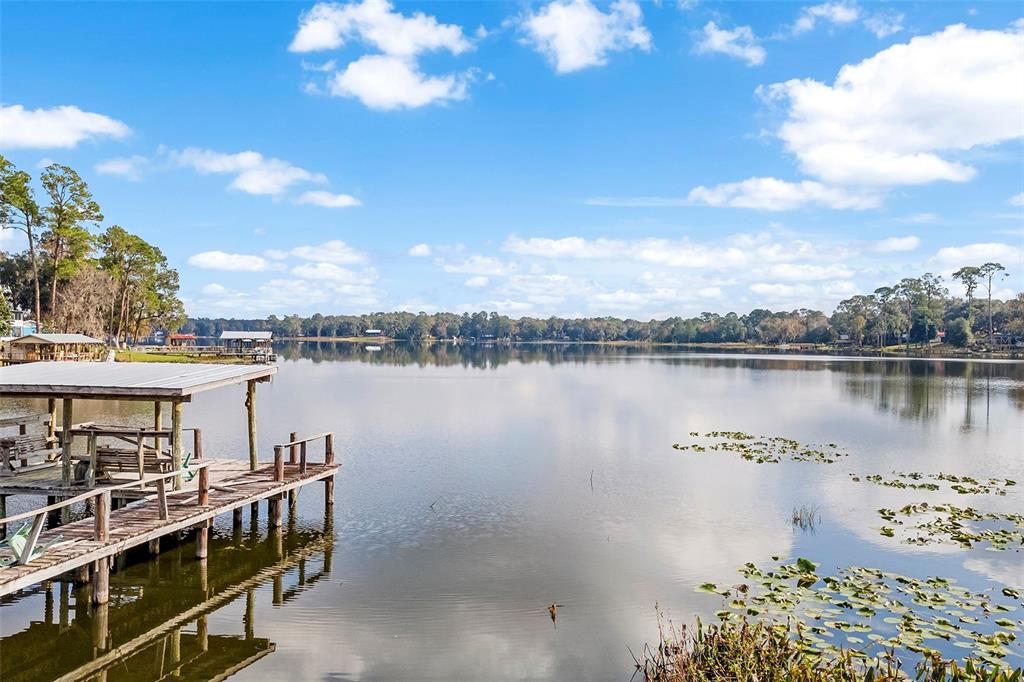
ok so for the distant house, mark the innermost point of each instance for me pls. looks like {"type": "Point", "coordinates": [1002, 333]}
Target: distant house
{"type": "Point", "coordinates": [23, 324]}
{"type": "Point", "coordinates": [60, 347]}
{"type": "Point", "coordinates": [181, 340]}
{"type": "Point", "coordinates": [372, 332]}
{"type": "Point", "coordinates": [246, 342]}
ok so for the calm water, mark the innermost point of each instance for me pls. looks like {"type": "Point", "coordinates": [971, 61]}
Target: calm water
{"type": "Point", "coordinates": [480, 485]}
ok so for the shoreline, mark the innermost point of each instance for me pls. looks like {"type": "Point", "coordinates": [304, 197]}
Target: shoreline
{"type": "Point", "coordinates": [938, 352]}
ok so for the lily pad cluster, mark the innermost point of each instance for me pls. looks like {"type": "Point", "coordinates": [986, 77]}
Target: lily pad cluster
{"type": "Point", "coordinates": [764, 449]}
{"type": "Point", "coordinates": [875, 613]}
{"type": "Point", "coordinates": [963, 526]}
{"type": "Point", "coordinates": [965, 485]}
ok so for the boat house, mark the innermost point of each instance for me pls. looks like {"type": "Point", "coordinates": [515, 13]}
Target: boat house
{"type": "Point", "coordinates": [59, 347]}
{"type": "Point", "coordinates": [181, 340]}
{"type": "Point", "coordinates": [246, 342]}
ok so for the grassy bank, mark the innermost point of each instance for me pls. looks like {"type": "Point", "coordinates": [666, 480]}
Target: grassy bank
{"type": "Point", "coordinates": [135, 356]}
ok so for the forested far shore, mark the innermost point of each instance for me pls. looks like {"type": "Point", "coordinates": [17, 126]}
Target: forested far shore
{"type": "Point", "coordinates": [914, 311]}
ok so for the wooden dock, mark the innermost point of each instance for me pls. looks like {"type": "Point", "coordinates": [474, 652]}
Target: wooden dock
{"type": "Point", "coordinates": [92, 542]}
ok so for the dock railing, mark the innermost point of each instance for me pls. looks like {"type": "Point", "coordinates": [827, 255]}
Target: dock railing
{"type": "Point", "coordinates": [297, 453]}
{"type": "Point", "coordinates": [102, 507]}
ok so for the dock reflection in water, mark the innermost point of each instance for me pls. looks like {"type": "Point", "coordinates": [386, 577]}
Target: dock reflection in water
{"type": "Point", "coordinates": [166, 614]}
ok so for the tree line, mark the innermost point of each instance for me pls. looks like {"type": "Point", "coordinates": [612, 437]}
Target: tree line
{"type": "Point", "coordinates": [915, 310]}
{"type": "Point", "coordinates": [73, 277]}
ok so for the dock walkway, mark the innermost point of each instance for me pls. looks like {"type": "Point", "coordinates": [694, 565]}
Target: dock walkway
{"type": "Point", "coordinates": [98, 538]}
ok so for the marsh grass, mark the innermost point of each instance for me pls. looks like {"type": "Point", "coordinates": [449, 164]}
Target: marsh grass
{"type": "Point", "coordinates": [806, 517]}
{"type": "Point", "coordinates": [755, 651]}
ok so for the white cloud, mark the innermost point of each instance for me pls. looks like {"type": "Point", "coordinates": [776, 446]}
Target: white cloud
{"type": "Point", "coordinates": [478, 265]}
{"type": "Point", "coordinates": [275, 254]}
{"type": "Point", "coordinates": [897, 244]}
{"type": "Point", "coordinates": [739, 42]}
{"type": "Point", "coordinates": [129, 167]}
{"type": "Point", "coordinates": [1017, 199]}
{"type": "Point", "coordinates": [895, 118]}
{"type": "Point", "coordinates": [884, 24]}
{"type": "Point", "coordinates": [213, 289]}
{"type": "Point", "coordinates": [391, 79]}
{"type": "Point", "coordinates": [545, 290]}
{"type": "Point", "coordinates": [333, 273]}
{"type": "Point", "coordinates": [574, 34]}
{"type": "Point", "coordinates": [60, 127]}
{"type": "Point", "coordinates": [328, 199]}
{"type": "Point", "coordinates": [254, 173]}
{"type": "Point", "coordinates": [804, 272]}
{"type": "Point", "coordinates": [419, 250]}
{"type": "Point", "coordinates": [385, 82]}
{"type": "Point", "coordinates": [333, 251]}
{"type": "Point", "coordinates": [477, 282]}
{"type": "Point", "coordinates": [328, 25]}
{"type": "Point", "coordinates": [772, 194]}
{"type": "Point", "coordinates": [778, 292]}
{"type": "Point", "coordinates": [737, 252]}
{"type": "Point", "coordinates": [837, 13]}
{"type": "Point", "coordinates": [976, 254]}
{"type": "Point", "coordinates": [231, 262]}
{"type": "Point", "coordinates": [326, 67]}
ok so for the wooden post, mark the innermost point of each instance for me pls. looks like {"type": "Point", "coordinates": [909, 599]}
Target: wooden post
{"type": "Point", "coordinates": [302, 459]}
{"type": "Point", "coordinates": [101, 533]}
{"type": "Point", "coordinates": [51, 428]}
{"type": "Point", "coordinates": [65, 455]}
{"type": "Point", "coordinates": [250, 406]}
{"type": "Point", "coordinates": [101, 627]}
{"type": "Point", "coordinates": [140, 456]}
{"type": "Point", "coordinates": [161, 498]}
{"type": "Point", "coordinates": [154, 546]}
{"type": "Point", "coordinates": [176, 415]}
{"type": "Point", "coordinates": [93, 460]}
{"type": "Point", "coordinates": [236, 518]}
{"type": "Point", "coordinates": [329, 459]}
{"type": "Point", "coordinates": [293, 451]}
{"type": "Point", "coordinates": [101, 520]}
{"type": "Point", "coordinates": [158, 417]}
{"type": "Point", "coordinates": [203, 533]}
{"type": "Point", "coordinates": [278, 463]}
{"type": "Point", "coordinates": [197, 444]}
{"type": "Point", "coordinates": [3, 513]}
{"type": "Point", "coordinates": [101, 581]}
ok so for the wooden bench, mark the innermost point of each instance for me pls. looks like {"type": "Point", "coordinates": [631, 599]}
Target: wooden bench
{"type": "Point", "coordinates": [109, 459]}
{"type": "Point", "coordinates": [26, 447]}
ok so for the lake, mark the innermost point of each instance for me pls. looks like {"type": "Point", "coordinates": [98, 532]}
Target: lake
{"type": "Point", "coordinates": [481, 484]}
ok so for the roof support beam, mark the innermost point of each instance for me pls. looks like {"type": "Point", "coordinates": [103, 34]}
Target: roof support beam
{"type": "Point", "coordinates": [176, 418]}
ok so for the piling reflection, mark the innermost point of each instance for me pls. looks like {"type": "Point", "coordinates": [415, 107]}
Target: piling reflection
{"type": "Point", "coordinates": [160, 621]}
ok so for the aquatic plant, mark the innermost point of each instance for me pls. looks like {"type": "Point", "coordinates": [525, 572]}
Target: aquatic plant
{"type": "Point", "coordinates": [805, 517]}
{"type": "Point", "coordinates": [764, 449]}
{"type": "Point", "coordinates": [869, 611]}
{"type": "Point", "coordinates": [964, 485]}
{"type": "Point", "coordinates": [951, 524]}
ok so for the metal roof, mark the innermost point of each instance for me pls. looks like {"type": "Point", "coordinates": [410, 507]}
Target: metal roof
{"type": "Point", "coordinates": [57, 339]}
{"type": "Point", "coordinates": [245, 335]}
{"type": "Point", "coordinates": [126, 380]}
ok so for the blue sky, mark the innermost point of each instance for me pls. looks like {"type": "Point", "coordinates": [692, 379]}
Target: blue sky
{"type": "Point", "coordinates": [568, 157]}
